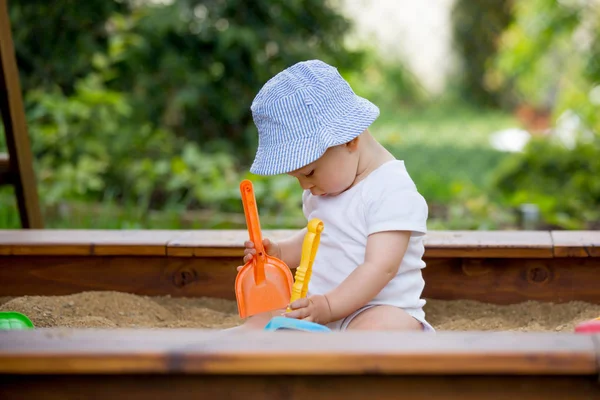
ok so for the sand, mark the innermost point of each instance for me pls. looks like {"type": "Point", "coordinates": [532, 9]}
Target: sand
{"type": "Point", "coordinates": [123, 310]}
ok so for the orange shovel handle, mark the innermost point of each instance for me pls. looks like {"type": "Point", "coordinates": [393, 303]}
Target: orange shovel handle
{"type": "Point", "coordinates": [253, 223]}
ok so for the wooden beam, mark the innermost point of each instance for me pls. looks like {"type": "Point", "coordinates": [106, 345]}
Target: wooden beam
{"type": "Point", "coordinates": [244, 352]}
{"type": "Point", "coordinates": [198, 364]}
{"type": "Point", "coordinates": [15, 127]}
{"type": "Point", "coordinates": [60, 275]}
{"type": "Point", "coordinates": [203, 263]}
{"type": "Point", "coordinates": [497, 281]}
{"type": "Point", "coordinates": [296, 387]}
{"type": "Point", "coordinates": [192, 364]}
{"type": "Point", "coordinates": [576, 243]}
{"type": "Point", "coordinates": [228, 243]}
{"type": "Point", "coordinates": [214, 243]}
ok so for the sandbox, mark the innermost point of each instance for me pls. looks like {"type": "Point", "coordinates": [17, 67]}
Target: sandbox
{"type": "Point", "coordinates": [158, 303]}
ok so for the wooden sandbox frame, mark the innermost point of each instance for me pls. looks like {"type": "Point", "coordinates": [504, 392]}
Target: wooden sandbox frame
{"type": "Point", "coordinates": [496, 267]}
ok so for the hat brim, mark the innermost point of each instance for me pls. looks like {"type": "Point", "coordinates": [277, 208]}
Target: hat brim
{"type": "Point", "coordinates": [281, 158]}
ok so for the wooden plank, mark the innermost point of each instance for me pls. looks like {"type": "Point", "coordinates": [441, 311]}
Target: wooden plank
{"type": "Point", "coordinates": [15, 127]}
{"type": "Point", "coordinates": [492, 244]}
{"type": "Point", "coordinates": [596, 343]}
{"type": "Point", "coordinates": [299, 387]}
{"type": "Point", "coordinates": [508, 281]}
{"type": "Point", "coordinates": [229, 243]}
{"type": "Point", "coordinates": [122, 242]}
{"type": "Point", "coordinates": [497, 281]}
{"type": "Point", "coordinates": [86, 242]}
{"type": "Point", "coordinates": [214, 243]}
{"type": "Point", "coordinates": [242, 352]}
{"type": "Point", "coordinates": [152, 276]}
{"type": "Point", "coordinates": [576, 243]}
{"type": "Point", "coordinates": [133, 242]}
{"type": "Point", "coordinates": [438, 243]}
{"type": "Point", "coordinates": [45, 242]}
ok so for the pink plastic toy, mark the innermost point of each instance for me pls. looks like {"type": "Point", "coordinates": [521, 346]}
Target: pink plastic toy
{"type": "Point", "coordinates": [592, 326]}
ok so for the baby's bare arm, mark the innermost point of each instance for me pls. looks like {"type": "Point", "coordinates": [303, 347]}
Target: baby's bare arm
{"type": "Point", "coordinates": [288, 250]}
{"type": "Point", "coordinates": [383, 256]}
{"type": "Point", "coordinates": [291, 248]}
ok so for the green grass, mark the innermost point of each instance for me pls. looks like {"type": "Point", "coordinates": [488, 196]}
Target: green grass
{"type": "Point", "coordinates": [440, 124]}
{"type": "Point", "coordinates": [445, 147]}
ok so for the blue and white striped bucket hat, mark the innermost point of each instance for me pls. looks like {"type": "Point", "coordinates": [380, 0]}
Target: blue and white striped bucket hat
{"type": "Point", "coordinates": [301, 112]}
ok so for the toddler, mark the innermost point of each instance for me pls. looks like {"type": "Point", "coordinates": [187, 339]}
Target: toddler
{"type": "Point", "coordinates": [367, 272]}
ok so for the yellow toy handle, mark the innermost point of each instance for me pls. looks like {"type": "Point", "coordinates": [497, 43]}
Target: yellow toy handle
{"type": "Point", "coordinates": [309, 252]}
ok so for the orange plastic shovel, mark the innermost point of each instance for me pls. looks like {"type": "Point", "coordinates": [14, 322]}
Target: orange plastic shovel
{"type": "Point", "coordinates": [265, 282]}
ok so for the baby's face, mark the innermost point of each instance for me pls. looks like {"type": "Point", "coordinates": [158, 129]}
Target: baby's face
{"type": "Point", "coordinates": [331, 174]}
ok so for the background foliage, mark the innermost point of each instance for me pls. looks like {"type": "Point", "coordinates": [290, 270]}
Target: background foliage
{"type": "Point", "coordinates": [139, 112]}
{"type": "Point", "coordinates": [477, 26]}
{"type": "Point", "coordinates": [550, 59]}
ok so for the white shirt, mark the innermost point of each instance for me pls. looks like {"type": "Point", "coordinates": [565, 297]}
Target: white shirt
{"type": "Point", "coordinates": [387, 199]}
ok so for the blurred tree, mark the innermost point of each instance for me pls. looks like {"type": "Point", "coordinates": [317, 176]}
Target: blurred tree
{"type": "Point", "coordinates": [55, 40]}
{"type": "Point", "coordinates": [536, 50]}
{"type": "Point", "coordinates": [194, 66]}
{"type": "Point", "coordinates": [562, 182]}
{"type": "Point", "coordinates": [550, 58]}
{"type": "Point", "coordinates": [477, 26]}
{"type": "Point", "coordinates": [190, 66]}
{"type": "Point", "coordinates": [147, 103]}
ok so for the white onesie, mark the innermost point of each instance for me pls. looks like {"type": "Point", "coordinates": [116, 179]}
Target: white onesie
{"type": "Point", "coordinates": [387, 199]}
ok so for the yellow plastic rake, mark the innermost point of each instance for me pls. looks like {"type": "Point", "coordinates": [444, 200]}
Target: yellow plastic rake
{"type": "Point", "coordinates": [309, 252]}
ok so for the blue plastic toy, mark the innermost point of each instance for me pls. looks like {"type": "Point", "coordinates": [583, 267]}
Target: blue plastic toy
{"type": "Point", "coordinates": [292, 324]}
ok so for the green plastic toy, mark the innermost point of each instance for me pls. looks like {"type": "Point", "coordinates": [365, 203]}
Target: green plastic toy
{"type": "Point", "coordinates": [11, 320]}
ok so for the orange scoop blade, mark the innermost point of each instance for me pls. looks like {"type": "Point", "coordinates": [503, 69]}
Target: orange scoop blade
{"type": "Point", "coordinates": [265, 282]}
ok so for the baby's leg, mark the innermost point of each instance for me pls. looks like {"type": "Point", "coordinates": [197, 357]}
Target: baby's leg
{"type": "Point", "coordinates": [385, 318]}
{"type": "Point", "coordinates": [259, 321]}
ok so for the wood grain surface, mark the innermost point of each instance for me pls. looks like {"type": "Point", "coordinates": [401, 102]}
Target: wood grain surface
{"type": "Point", "coordinates": [61, 275]}
{"type": "Point", "coordinates": [576, 243]}
{"type": "Point", "coordinates": [509, 281]}
{"type": "Point", "coordinates": [493, 244]}
{"type": "Point", "coordinates": [89, 351]}
{"type": "Point", "coordinates": [498, 281]}
{"type": "Point", "coordinates": [297, 387]}
{"type": "Point", "coordinates": [229, 243]}
{"type": "Point", "coordinates": [22, 174]}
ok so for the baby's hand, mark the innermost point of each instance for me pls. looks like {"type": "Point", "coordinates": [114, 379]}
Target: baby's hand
{"type": "Point", "coordinates": [314, 309]}
{"type": "Point", "coordinates": [271, 248]}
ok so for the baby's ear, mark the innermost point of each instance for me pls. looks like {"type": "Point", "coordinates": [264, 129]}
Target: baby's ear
{"type": "Point", "coordinates": [353, 144]}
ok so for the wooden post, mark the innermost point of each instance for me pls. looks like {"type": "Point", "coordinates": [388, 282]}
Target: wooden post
{"type": "Point", "coordinates": [17, 168]}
